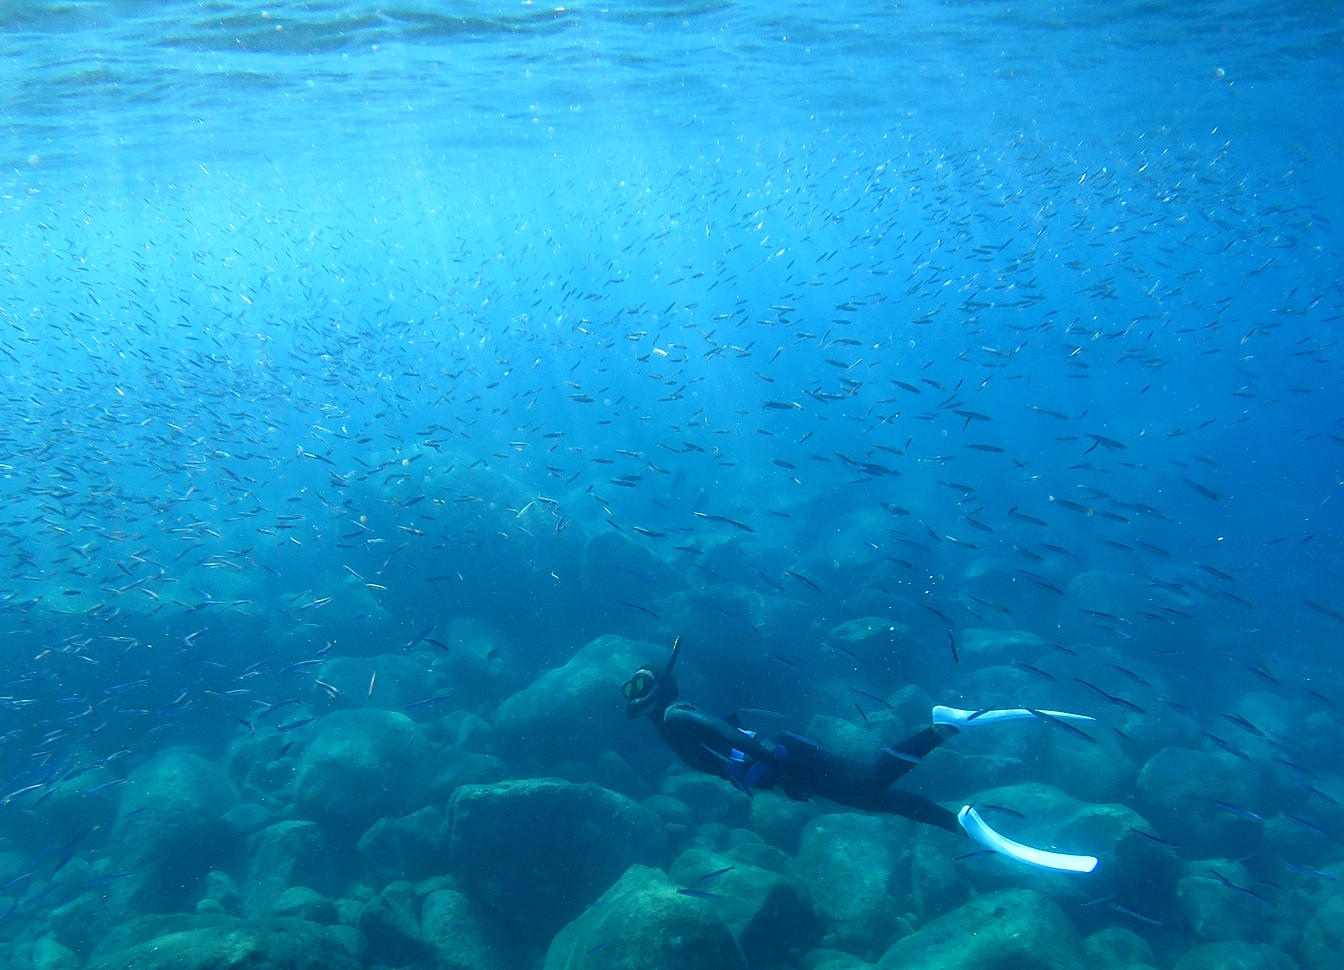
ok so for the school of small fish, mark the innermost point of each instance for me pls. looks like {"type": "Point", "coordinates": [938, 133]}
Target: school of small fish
{"type": "Point", "coordinates": [257, 418]}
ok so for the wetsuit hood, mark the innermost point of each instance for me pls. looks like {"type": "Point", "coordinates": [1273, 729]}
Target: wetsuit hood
{"type": "Point", "coordinates": [647, 692]}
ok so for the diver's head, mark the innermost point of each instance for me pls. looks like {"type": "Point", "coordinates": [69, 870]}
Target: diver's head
{"type": "Point", "coordinates": [647, 692]}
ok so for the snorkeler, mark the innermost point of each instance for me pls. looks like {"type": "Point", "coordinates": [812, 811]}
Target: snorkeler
{"type": "Point", "coordinates": [801, 768]}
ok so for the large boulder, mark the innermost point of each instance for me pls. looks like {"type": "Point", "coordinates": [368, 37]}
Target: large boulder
{"type": "Point", "coordinates": [768, 910]}
{"type": "Point", "coordinates": [711, 799]}
{"type": "Point", "coordinates": [1221, 901]}
{"type": "Point", "coordinates": [413, 847]}
{"type": "Point", "coordinates": [300, 902]}
{"type": "Point", "coordinates": [646, 920]}
{"type": "Point", "coordinates": [576, 707]}
{"type": "Point", "coordinates": [1179, 789]}
{"type": "Point", "coordinates": [936, 885]}
{"type": "Point", "coordinates": [870, 638]}
{"type": "Point", "coordinates": [725, 613]}
{"type": "Point", "coordinates": [390, 923]}
{"type": "Point", "coordinates": [1013, 930]}
{"type": "Point", "coordinates": [845, 738]}
{"type": "Point", "coordinates": [616, 570]}
{"type": "Point", "coordinates": [462, 935]}
{"type": "Point", "coordinates": [1323, 939]}
{"type": "Point", "coordinates": [285, 855]}
{"type": "Point", "coordinates": [396, 680]}
{"type": "Point", "coordinates": [1117, 948]}
{"type": "Point", "coordinates": [780, 820]}
{"type": "Point", "coordinates": [226, 943]}
{"type": "Point", "coordinates": [986, 646]}
{"type": "Point", "coordinates": [849, 864]}
{"type": "Point", "coordinates": [534, 852]}
{"type": "Point", "coordinates": [481, 662]}
{"type": "Point", "coordinates": [170, 830]}
{"type": "Point", "coordinates": [360, 766]}
{"type": "Point", "coordinates": [1237, 956]}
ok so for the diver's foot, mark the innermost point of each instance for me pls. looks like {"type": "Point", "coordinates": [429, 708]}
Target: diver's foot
{"type": "Point", "coordinates": [979, 831]}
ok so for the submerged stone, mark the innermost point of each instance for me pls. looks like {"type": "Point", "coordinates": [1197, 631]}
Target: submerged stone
{"type": "Point", "coordinates": [360, 766]}
{"type": "Point", "coordinates": [1236, 956]}
{"type": "Point", "coordinates": [535, 851]}
{"type": "Point", "coordinates": [768, 909]}
{"type": "Point", "coordinates": [848, 862]}
{"type": "Point", "coordinates": [576, 707]}
{"type": "Point", "coordinates": [1013, 930]}
{"type": "Point", "coordinates": [462, 935]}
{"type": "Point", "coordinates": [233, 944]}
{"type": "Point", "coordinates": [646, 921]}
{"type": "Point", "coordinates": [170, 830]}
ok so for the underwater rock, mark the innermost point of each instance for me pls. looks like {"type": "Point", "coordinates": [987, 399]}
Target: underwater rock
{"type": "Point", "coordinates": [1010, 930]}
{"type": "Point", "coordinates": [1118, 594]}
{"type": "Point", "coordinates": [988, 646]}
{"type": "Point", "coordinates": [832, 960]}
{"type": "Point", "coordinates": [1117, 948]}
{"type": "Point", "coordinates": [643, 921]}
{"type": "Point", "coordinates": [300, 902]}
{"type": "Point", "coordinates": [950, 774]}
{"type": "Point", "coordinates": [412, 847]}
{"type": "Point", "coordinates": [726, 612]}
{"type": "Point", "coordinates": [1236, 956]}
{"type": "Point", "coordinates": [400, 680]}
{"type": "Point", "coordinates": [845, 738]}
{"type": "Point", "coordinates": [780, 820]}
{"type": "Point", "coordinates": [577, 707]}
{"type": "Point", "coordinates": [609, 770]}
{"type": "Point", "coordinates": [169, 831]}
{"type": "Point", "coordinates": [480, 662]}
{"type": "Point", "coordinates": [873, 638]}
{"type": "Point", "coordinates": [534, 851]}
{"type": "Point", "coordinates": [1323, 939]}
{"type": "Point", "coordinates": [50, 955]}
{"type": "Point", "coordinates": [1177, 791]}
{"type": "Point", "coordinates": [711, 799]}
{"type": "Point", "coordinates": [360, 767]}
{"type": "Point", "coordinates": [1296, 843]}
{"type": "Point", "coordinates": [768, 910]}
{"type": "Point", "coordinates": [936, 887]}
{"type": "Point", "coordinates": [676, 815]}
{"type": "Point", "coordinates": [617, 570]}
{"type": "Point", "coordinates": [913, 705]}
{"type": "Point", "coordinates": [464, 768]}
{"type": "Point", "coordinates": [220, 895]}
{"type": "Point", "coordinates": [135, 930]}
{"type": "Point", "coordinates": [1100, 772]}
{"type": "Point", "coordinates": [233, 944]}
{"type": "Point", "coordinates": [842, 554]}
{"type": "Point", "coordinates": [1215, 911]}
{"type": "Point", "coordinates": [470, 733]}
{"type": "Point", "coordinates": [848, 863]}
{"type": "Point", "coordinates": [462, 935]}
{"type": "Point", "coordinates": [286, 854]}
{"type": "Point", "coordinates": [248, 818]}
{"type": "Point", "coordinates": [82, 923]}
{"type": "Point", "coordinates": [390, 923]}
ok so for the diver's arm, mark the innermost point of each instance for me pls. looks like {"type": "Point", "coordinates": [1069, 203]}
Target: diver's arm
{"type": "Point", "coordinates": [689, 731]}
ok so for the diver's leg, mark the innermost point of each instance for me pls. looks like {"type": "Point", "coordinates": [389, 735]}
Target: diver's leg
{"type": "Point", "coordinates": [917, 808]}
{"type": "Point", "coordinates": [895, 761]}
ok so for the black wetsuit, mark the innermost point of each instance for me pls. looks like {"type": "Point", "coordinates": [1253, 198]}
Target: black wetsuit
{"type": "Point", "coordinates": [801, 768]}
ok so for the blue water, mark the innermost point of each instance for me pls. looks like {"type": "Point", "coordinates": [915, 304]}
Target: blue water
{"type": "Point", "coordinates": [335, 331]}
